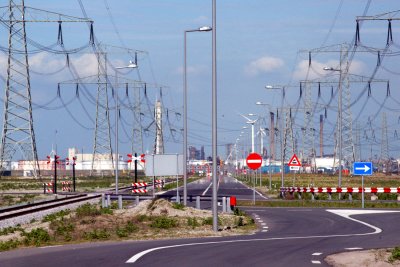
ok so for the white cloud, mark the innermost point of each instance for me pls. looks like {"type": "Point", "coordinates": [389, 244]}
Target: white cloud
{"type": "Point", "coordinates": [263, 65]}
{"type": "Point", "coordinates": [317, 68]}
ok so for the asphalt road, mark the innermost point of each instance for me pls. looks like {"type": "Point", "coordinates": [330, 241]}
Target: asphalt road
{"type": "Point", "coordinates": [286, 237]}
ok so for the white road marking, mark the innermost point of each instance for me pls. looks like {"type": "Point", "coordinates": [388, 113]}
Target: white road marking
{"type": "Point", "coordinates": [263, 224]}
{"type": "Point", "coordinates": [315, 262]}
{"type": "Point", "coordinates": [205, 191]}
{"type": "Point", "coordinates": [316, 254]}
{"type": "Point", "coordinates": [264, 231]}
{"type": "Point", "coordinates": [353, 248]}
{"type": "Point", "coordinates": [265, 227]}
{"type": "Point", "coordinates": [343, 213]}
{"type": "Point", "coordinates": [296, 210]}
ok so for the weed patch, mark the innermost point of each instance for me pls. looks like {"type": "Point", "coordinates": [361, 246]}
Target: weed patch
{"type": "Point", "coordinates": [164, 222]}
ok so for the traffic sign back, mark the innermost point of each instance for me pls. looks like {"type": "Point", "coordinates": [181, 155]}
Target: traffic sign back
{"type": "Point", "coordinates": [294, 161]}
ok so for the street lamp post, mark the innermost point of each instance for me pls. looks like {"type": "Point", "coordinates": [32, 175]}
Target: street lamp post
{"type": "Point", "coordinates": [201, 29]}
{"type": "Point", "coordinates": [269, 154]}
{"type": "Point", "coordinates": [339, 121]}
{"type": "Point", "coordinates": [281, 131]}
{"type": "Point", "coordinates": [131, 65]}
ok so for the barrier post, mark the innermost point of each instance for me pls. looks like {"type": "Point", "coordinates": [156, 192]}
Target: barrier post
{"type": "Point", "coordinates": [108, 201]}
{"type": "Point", "coordinates": [330, 196]}
{"type": "Point", "coordinates": [120, 202]}
{"type": "Point", "coordinates": [197, 202]}
{"type": "Point", "coordinates": [103, 204]}
{"type": "Point", "coordinates": [223, 204]}
{"type": "Point", "coordinates": [137, 200]}
{"type": "Point", "coordinates": [312, 196]}
{"type": "Point", "coordinates": [350, 196]}
{"type": "Point", "coordinates": [228, 207]}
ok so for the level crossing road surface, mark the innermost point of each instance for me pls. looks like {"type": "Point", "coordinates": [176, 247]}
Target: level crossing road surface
{"type": "Point", "coordinates": [285, 237]}
{"type": "Point", "coordinates": [227, 186]}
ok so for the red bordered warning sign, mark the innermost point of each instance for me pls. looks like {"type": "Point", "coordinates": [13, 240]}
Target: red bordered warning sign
{"type": "Point", "coordinates": [294, 161]}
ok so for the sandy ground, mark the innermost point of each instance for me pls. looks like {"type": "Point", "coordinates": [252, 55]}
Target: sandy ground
{"type": "Point", "coordinates": [367, 258]}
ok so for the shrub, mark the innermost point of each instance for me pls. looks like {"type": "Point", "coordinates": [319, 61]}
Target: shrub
{"type": "Point", "coordinates": [208, 221]}
{"type": "Point", "coordinates": [395, 255]}
{"type": "Point", "coordinates": [128, 229]}
{"type": "Point", "coordinates": [36, 237]}
{"type": "Point", "coordinates": [192, 222]}
{"type": "Point", "coordinates": [97, 234]}
{"type": "Point", "coordinates": [164, 222]}
{"type": "Point", "coordinates": [53, 216]}
{"type": "Point", "coordinates": [239, 221]}
{"type": "Point", "coordinates": [87, 210]}
{"type": "Point", "coordinates": [106, 210]}
{"type": "Point", "coordinates": [238, 212]}
{"type": "Point", "coordinates": [142, 218]}
{"type": "Point", "coordinates": [10, 230]}
{"type": "Point", "coordinates": [7, 245]}
{"type": "Point", "coordinates": [178, 206]}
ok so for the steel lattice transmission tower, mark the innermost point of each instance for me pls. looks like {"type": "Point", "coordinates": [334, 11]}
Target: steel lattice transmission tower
{"type": "Point", "coordinates": [18, 132]}
{"type": "Point", "coordinates": [289, 143]}
{"type": "Point", "coordinates": [308, 134]}
{"type": "Point", "coordinates": [102, 149]}
{"type": "Point", "coordinates": [384, 158]}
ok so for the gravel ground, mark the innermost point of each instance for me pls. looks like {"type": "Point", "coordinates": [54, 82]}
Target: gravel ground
{"type": "Point", "coordinates": [40, 214]}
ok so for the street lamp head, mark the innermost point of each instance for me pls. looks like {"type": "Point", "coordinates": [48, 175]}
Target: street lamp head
{"type": "Point", "coordinates": [252, 114]}
{"type": "Point", "coordinates": [328, 68]}
{"type": "Point", "coordinates": [131, 65]}
{"type": "Point", "coordinates": [259, 103]}
{"type": "Point", "coordinates": [269, 87]}
{"type": "Point", "coordinates": [205, 29]}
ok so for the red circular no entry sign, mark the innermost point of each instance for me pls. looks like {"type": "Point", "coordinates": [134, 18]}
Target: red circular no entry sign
{"type": "Point", "coordinates": [254, 161]}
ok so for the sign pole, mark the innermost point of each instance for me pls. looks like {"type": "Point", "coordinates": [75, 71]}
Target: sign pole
{"type": "Point", "coordinates": [254, 187]}
{"type": "Point", "coordinates": [362, 193]}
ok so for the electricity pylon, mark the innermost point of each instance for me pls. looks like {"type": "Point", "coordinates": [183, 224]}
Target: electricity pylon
{"type": "Point", "coordinates": [18, 130]}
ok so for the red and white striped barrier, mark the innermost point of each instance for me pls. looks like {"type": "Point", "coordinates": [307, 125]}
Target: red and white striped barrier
{"type": "Point", "coordinates": [159, 183]}
{"type": "Point", "coordinates": [66, 186]}
{"type": "Point", "coordinates": [48, 188]}
{"type": "Point", "coordinates": [388, 190]}
{"type": "Point", "coordinates": [135, 187]}
{"type": "Point", "coordinates": [139, 191]}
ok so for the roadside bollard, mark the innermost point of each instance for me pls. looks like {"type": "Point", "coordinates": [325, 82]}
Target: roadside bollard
{"type": "Point", "coordinates": [374, 197]}
{"type": "Point", "coordinates": [178, 199]}
{"type": "Point", "coordinates": [398, 197]}
{"type": "Point", "coordinates": [223, 204]}
{"type": "Point", "coordinates": [120, 202]}
{"type": "Point", "coordinates": [103, 201]}
{"type": "Point", "coordinates": [137, 200]}
{"type": "Point", "coordinates": [299, 195]}
{"type": "Point", "coordinates": [197, 202]}
{"type": "Point", "coordinates": [228, 206]}
{"type": "Point", "coordinates": [108, 201]}
{"type": "Point", "coordinates": [330, 196]}
{"type": "Point", "coordinates": [312, 196]}
{"type": "Point", "coordinates": [350, 197]}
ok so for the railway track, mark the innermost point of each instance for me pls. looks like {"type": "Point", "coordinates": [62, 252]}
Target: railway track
{"type": "Point", "coordinates": [16, 211]}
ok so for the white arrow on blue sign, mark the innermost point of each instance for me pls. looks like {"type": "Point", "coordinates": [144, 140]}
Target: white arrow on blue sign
{"type": "Point", "coordinates": [362, 168]}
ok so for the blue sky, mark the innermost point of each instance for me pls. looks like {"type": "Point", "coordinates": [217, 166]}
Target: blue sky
{"type": "Point", "coordinates": [258, 43]}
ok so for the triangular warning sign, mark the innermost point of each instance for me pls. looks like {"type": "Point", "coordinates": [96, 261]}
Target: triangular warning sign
{"type": "Point", "coordinates": [294, 161]}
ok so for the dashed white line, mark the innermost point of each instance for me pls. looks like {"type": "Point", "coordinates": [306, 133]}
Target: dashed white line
{"type": "Point", "coordinates": [316, 254]}
{"type": "Point", "coordinates": [263, 224]}
{"type": "Point", "coordinates": [353, 248]}
{"type": "Point", "coordinates": [315, 262]}
{"type": "Point", "coordinates": [265, 227]}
